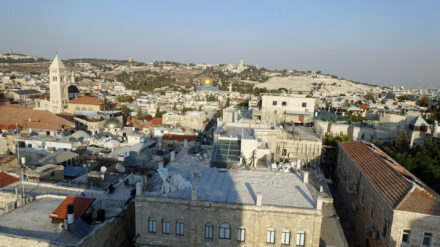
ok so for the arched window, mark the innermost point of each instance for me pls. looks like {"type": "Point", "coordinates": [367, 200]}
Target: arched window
{"type": "Point", "coordinates": [165, 226]}
{"type": "Point", "coordinates": [225, 231]}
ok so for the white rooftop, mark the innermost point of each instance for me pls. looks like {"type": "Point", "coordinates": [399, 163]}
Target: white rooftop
{"type": "Point", "coordinates": [240, 186]}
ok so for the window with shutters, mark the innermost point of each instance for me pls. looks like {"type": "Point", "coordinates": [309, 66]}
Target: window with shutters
{"type": "Point", "coordinates": [285, 237]}
{"type": "Point", "coordinates": [208, 231]}
{"type": "Point", "coordinates": [300, 238]}
{"type": "Point", "coordinates": [151, 225]}
{"type": "Point", "coordinates": [225, 231]}
{"type": "Point", "coordinates": [179, 227]}
{"type": "Point", "coordinates": [241, 232]}
{"type": "Point", "coordinates": [166, 226]}
{"type": "Point", "coordinates": [270, 236]}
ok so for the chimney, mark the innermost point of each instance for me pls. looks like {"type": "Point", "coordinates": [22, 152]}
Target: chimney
{"type": "Point", "coordinates": [319, 203]}
{"type": "Point", "coordinates": [259, 199]}
{"type": "Point", "coordinates": [194, 194]}
{"type": "Point", "coordinates": [139, 189]}
{"type": "Point", "coordinates": [435, 129]}
{"type": "Point", "coordinates": [70, 215]}
{"type": "Point", "coordinates": [306, 177]}
{"type": "Point", "coordinates": [173, 155]}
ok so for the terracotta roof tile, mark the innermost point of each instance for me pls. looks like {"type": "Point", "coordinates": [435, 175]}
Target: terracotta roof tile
{"type": "Point", "coordinates": [398, 186]}
{"type": "Point", "coordinates": [10, 115]}
{"type": "Point", "coordinates": [6, 179]}
{"type": "Point", "coordinates": [179, 137]}
{"type": "Point", "coordinates": [86, 100]}
{"type": "Point", "coordinates": [80, 205]}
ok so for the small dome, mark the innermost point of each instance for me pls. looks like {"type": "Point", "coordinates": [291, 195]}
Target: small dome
{"type": "Point", "coordinates": [112, 123]}
{"type": "Point", "coordinates": [72, 89]}
{"type": "Point", "coordinates": [207, 81]}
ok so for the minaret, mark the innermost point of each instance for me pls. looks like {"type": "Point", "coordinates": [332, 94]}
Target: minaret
{"type": "Point", "coordinates": [241, 62]}
{"type": "Point", "coordinates": [58, 85]}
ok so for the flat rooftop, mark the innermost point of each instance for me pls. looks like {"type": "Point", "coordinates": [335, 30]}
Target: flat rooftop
{"type": "Point", "coordinates": [32, 221]}
{"type": "Point", "coordinates": [239, 186]}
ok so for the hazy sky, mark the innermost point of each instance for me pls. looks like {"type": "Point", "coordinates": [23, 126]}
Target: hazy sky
{"type": "Point", "coordinates": [381, 42]}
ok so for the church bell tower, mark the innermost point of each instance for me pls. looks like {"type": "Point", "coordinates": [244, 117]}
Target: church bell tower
{"type": "Point", "coordinates": [58, 78]}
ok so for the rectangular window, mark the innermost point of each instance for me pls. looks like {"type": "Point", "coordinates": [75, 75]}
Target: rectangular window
{"type": "Point", "coordinates": [151, 225]}
{"type": "Point", "coordinates": [427, 239]}
{"type": "Point", "coordinates": [405, 236]}
{"type": "Point", "coordinates": [208, 231]}
{"type": "Point", "coordinates": [241, 232]}
{"type": "Point", "coordinates": [29, 145]}
{"type": "Point", "coordinates": [372, 211]}
{"type": "Point", "coordinates": [304, 104]}
{"type": "Point", "coordinates": [225, 231]}
{"type": "Point", "coordinates": [284, 103]}
{"type": "Point", "coordinates": [179, 227]}
{"type": "Point", "coordinates": [166, 226]}
{"type": "Point", "coordinates": [285, 237]}
{"type": "Point", "coordinates": [300, 238]}
{"type": "Point", "coordinates": [270, 236]}
{"type": "Point", "coordinates": [386, 223]}
{"type": "Point", "coordinates": [274, 102]}
{"type": "Point", "coordinates": [284, 152]}
{"type": "Point", "coordinates": [363, 197]}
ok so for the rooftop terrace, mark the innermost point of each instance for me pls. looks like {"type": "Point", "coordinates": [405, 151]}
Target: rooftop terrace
{"type": "Point", "coordinates": [240, 187]}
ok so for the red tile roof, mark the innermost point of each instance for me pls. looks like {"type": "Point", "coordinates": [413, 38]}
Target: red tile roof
{"type": "Point", "coordinates": [6, 179]}
{"type": "Point", "coordinates": [178, 137]}
{"type": "Point", "coordinates": [86, 100]}
{"type": "Point", "coordinates": [156, 122]}
{"type": "Point", "coordinates": [397, 185]}
{"type": "Point", "coordinates": [80, 205]}
{"type": "Point", "coordinates": [27, 118]}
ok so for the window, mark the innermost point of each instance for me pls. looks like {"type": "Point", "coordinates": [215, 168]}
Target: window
{"type": "Point", "coordinates": [405, 236]}
{"type": "Point", "coordinates": [166, 226]}
{"type": "Point", "coordinates": [285, 237]}
{"type": "Point", "coordinates": [284, 152]}
{"type": "Point", "coordinates": [300, 238]}
{"type": "Point", "coordinates": [179, 227]}
{"type": "Point", "coordinates": [372, 210]}
{"type": "Point", "coordinates": [386, 223]}
{"type": "Point", "coordinates": [284, 103]}
{"type": "Point", "coordinates": [427, 239]}
{"type": "Point", "coordinates": [270, 236]}
{"type": "Point", "coordinates": [274, 102]}
{"type": "Point", "coordinates": [151, 225]}
{"type": "Point", "coordinates": [208, 231]}
{"type": "Point", "coordinates": [29, 145]}
{"type": "Point", "coordinates": [241, 232]}
{"type": "Point", "coordinates": [363, 197]}
{"type": "Point", "coordinates": [225, 231]}
{"type": "Point", "coordinates": [304, 104]}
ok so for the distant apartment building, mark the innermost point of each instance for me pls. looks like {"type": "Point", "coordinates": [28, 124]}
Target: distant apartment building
{"type": "Point", "coordinates": [387, 205]}
{"type": "Point", "coordinates": [284, 108]}
{"type": "Point", "coordinates": [228, 208]}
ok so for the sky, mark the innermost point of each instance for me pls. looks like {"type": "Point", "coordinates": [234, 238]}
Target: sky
{"type": "Point", "coordinates": [379, 42]}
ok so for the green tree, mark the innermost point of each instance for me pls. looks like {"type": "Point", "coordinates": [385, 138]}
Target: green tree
{"type": "Point", "coordinates": [105, 105]}
{"type": "Point", "coordinates": [140, 114]}
{"type": "Point", "coordinates": [125, 110]}
{"type": "Point", "coordinates": [423, 101]}
{"type": "Point", "coordinates": [228, 102]}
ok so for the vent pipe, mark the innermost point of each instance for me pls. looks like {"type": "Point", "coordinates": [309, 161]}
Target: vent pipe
{"type": "Point", "coordinates": [306, 177]}
{"type": "Point", "coordinates": [194, 194]}
{"type": "Point", "coordinates": [173, 155]}
{"type": "Point", "coordinates": [70, 214]}
{"type": "Point", "coordinates": [139, 189]}
{"type": "Point", "coordinates": [259, 199]}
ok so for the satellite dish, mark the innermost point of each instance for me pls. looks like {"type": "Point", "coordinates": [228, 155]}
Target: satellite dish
{"type": "Point", "coordinates": [103, 169]}
{"type": "Point", "coordinates": [120, 168]}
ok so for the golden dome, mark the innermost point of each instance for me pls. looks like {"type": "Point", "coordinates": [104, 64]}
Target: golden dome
{"type": "Point", "coordinates": [207, 81]}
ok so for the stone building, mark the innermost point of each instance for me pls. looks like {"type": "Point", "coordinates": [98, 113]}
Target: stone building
{"type": "Point", "coordinates": [387, 205]}
{"type": "Point", "coordinates": [228, 208]}
{"type": "Point", "coordinates": [284, 108]}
